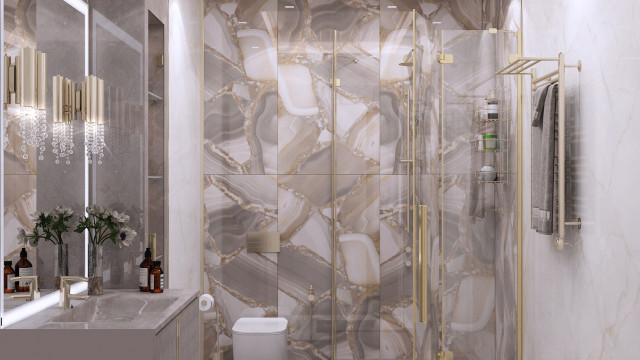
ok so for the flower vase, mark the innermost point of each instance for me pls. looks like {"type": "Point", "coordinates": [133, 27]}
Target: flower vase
{"type": "Point", "coordinates": [60, 263]}
{"type": "Point", "coordinates": [95, 269]}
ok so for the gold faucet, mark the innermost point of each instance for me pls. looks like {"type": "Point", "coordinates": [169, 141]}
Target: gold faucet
{"type": "Point", "coordinates": [34, 287]}
{"type": "Point", "coordinates": [65, 290]}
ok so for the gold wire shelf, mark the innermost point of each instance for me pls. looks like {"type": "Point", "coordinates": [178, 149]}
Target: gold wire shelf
{"type": "Point", "coordinates": [501, 145]}
{"type": "Point", "coordinates": [502, 177]}
{"type": "Point", "coordinates": [503, 115]}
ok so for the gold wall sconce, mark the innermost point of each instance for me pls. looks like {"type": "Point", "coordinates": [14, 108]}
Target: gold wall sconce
{"type": "Point", "coordinates": [25, 85]}
{"type": "Point", "coordinates": [68, 99]}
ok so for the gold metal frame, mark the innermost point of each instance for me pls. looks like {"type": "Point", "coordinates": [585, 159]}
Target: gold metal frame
{"type": "Point", "coordinates": [334, 195]}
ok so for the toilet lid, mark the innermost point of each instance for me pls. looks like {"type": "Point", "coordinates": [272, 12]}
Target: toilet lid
{"type": "Point", "coordinates": [257, 326]}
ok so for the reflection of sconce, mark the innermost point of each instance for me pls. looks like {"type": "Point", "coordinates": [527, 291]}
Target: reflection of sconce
{"type": "Point", "coordinates": [25, 79]}
{"type": "Point", "coordinates": [93, 115]}
{"type": "Point", "coordinates": [64, 110]}
{"type": "Point", "coordinates": [68, 98]}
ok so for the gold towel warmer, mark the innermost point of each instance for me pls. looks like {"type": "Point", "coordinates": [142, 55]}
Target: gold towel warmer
{"type": "Point", "coordinates": [518, 66]}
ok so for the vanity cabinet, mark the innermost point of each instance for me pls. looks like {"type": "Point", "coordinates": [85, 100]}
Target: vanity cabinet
{"type": "Point", "coordinates": [120, 324]}
{"type": "Point", "coordinates": [180, 339]}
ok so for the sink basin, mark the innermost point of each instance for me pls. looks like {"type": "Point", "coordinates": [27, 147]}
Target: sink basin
{"type": "Point", "coordinates": [143, 326]}
{"type": "Point", "coordinates": [116, 309]}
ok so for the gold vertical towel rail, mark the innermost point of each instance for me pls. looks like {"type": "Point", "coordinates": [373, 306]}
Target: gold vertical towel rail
{"type": "Point", "coordinates": [517, 67]}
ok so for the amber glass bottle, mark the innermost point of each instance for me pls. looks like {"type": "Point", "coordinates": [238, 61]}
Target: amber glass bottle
{"type": "Point", "coordinates": [23, 268]}
{"type": "Point", "coordinates": [156, 278]}
{"type": "Point", "coordinates": [9, 286]}
{"type": "Point", "coordinates": [145, 267]}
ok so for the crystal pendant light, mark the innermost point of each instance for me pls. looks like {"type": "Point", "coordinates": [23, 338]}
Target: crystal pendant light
{"type": "Point", "coordinates": [93, 115]}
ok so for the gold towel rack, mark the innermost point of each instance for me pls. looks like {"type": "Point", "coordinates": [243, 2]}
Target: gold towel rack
{"type": "Point", "coordinates": [519, 66]}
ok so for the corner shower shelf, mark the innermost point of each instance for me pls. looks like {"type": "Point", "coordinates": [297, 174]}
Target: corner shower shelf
{"type": "Point", "coordinates": [502, 145]}
{"type": "Point", "coordinates": [503, 116]}
{"type": "Point", "coordinates": [519, 65]}
{"type": "Point", "coordinates": [502, 177]}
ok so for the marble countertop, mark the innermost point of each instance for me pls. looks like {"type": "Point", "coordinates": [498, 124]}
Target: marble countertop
{"type": "Point", "coordinates": [12, 304]}
{"type": "Point", "coordinates": [115, 309]}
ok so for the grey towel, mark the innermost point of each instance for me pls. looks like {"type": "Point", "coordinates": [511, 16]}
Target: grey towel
{"type": "Point", "coordinates": [543, 153]}
{"type": "Point", "coordinates": [539, 98]}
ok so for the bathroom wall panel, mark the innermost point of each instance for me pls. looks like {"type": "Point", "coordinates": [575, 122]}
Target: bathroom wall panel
{"type": "Point", "coordinates": [305, 110]}
{"type": "Point", "coordinates": [244, 284]}
{"type": "Point", "coordinates": [185, 151]}
{"type": "Point", "coordinates": [396, 314]}
{"type": "Point", "coordinates": [240, 87]}
{"type": "Point", "coordinates": [588, 290]}
{"type": "Point", "coordinates": [304, 215]}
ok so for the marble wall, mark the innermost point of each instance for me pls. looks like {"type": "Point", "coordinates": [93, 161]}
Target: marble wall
{"type": "Point", "coordinates": [582, 303]}
{"type": "Point", "coordinates": [184, 144]}
{"type": "Point", "coordinates": [268, 165]}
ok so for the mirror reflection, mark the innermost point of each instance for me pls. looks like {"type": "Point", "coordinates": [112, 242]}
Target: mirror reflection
{"type": "Point", "coordinates": [75, 170]}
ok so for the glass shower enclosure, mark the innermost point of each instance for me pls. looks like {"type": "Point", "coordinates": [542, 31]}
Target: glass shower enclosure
{"type": "Point", "coordinates": [345, 128]}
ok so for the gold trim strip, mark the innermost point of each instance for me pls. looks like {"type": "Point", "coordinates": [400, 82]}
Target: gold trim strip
{"type": "Point", "coordinates": [334, 189]}
{"type": "Point", "coordinates": [520, 287]}
{"type": "Point", "coordinates": [442, 196]}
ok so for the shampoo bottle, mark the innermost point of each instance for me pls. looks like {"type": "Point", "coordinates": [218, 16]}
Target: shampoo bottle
{"type": "Point", "coordinates": [23, 268]}
{"type": "Point", "coordinates": [156, 279]}
{"type": "Point", "coordinates": [145, 267]}
{"type": "Point", "coordinates": [9, 286]}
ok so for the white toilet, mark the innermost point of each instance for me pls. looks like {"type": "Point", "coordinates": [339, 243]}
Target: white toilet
{"type": "Point", "coordinates": [260, 338]}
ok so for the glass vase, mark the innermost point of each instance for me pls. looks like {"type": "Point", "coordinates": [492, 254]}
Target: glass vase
{"type": "Point", "coordinates": [95, 269]}
{"type": "Point", "coordinates": [60, 263]}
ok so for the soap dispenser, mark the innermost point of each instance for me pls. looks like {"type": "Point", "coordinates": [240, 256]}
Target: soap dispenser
{"type": "Point", "coordinates": [9, 286]}
{"type": "Point", "coordinates": [23, 268]}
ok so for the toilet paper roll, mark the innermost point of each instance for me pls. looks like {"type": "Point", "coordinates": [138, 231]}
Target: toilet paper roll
{"type": "Point", "coordinates": [206, 302]}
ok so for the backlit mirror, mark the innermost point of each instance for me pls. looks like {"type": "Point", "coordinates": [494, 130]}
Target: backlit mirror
{"type": "Point", "coordinates": [39, 175]}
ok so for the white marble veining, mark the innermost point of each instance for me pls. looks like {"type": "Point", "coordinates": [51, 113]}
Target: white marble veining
{"type": "Point", "coordinates": [185, 144]}
{"type": "Point", "coordinates": [589, 291]}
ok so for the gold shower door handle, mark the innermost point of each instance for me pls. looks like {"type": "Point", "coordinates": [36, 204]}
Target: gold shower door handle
{"type": "Point", "coordinates": [423, 261]}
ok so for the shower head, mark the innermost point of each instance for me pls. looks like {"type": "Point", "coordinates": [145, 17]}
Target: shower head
{"type": "Point", "coordinates": [407, 60]}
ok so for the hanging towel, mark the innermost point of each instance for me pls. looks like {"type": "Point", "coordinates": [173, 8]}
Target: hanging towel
{"type": "Point", "coordinates": [545, 154]}
{"type": "Point", "coordinates": [539, 98]}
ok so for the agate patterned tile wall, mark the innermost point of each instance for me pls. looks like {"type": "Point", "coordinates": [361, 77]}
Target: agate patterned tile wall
{"type": "Point", "coordinates": [268, 165]}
